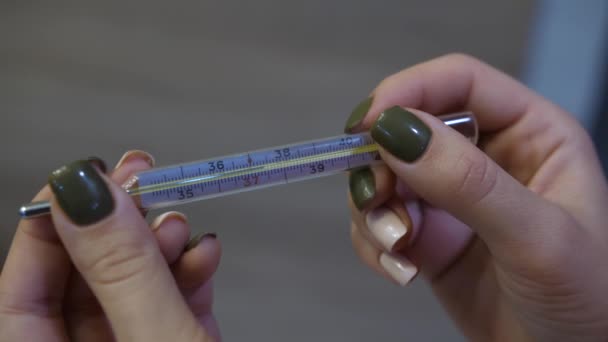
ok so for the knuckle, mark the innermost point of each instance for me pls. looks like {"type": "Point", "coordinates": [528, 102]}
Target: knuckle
{"type": "Point", "coordinates": [118, 262]}
{"type": "Point", "coordinates": [476, 177]}
{"type": "Point", "coordinates": [43, 307]}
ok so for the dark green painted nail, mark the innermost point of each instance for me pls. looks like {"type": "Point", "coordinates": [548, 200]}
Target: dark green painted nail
{"type": "Point", "coordinates": [81, 192]}
{"type": "Point", "coordinates": [196, 239]}
{"type": "Point", "coordinates": [357, 115]}
{"type": "Point", "coordinates": [362, 186]}
{"type": "Point", "coordinates": [401, 133]}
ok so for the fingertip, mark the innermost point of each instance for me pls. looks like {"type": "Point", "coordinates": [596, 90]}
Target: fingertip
{"type": "Point", "coordinates": [362, 187]}
{"type": "Point", "coordinates": [197, 239]}
{"type": "Point", "coordinates": [399, 268]}
{"type": "Point", "coordinates": [168, 216]}
{"type": "Point", "coordinates": [136, 155]}
{"type": "Point", "coordinates": [198, 263]}
{"type": "Point", "coordinates": [357, 116]}
{"type": "Point", "coordinates": [83, 193]}
{"type": "Point", "coordinates": [130, 163]}
{"type": "Point", "coordinates": [208, 248]}
{"type": "Point", "coordinates": [396, 268]}
{"type": "Point", "coordinates": [171, 230]}
{"type": "Point", "coordinates": [370, 186]}
{"type": "Point", "coordinates": [409, 213]}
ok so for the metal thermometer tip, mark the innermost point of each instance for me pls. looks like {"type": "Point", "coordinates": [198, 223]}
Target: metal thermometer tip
{"type": "Point", "coordinates": [35, 209]}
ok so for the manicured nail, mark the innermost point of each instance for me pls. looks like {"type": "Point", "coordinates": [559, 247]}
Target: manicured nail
{"type": "Point", "coordinates": [196, 240]}
{"type": "Point", "coordinates": [81, 192]}
{"type": "Point", "coordinates": [167, 216]}
{"type": "Point", "coordinates": [358, 114]}
{"type": "Point", "coordinates": [401, 133]}
{"type": "Point", "coordinates": [99, 162]}
{"type": "Point", "coordinates": [399, 268]}
{"type": "Point", "coordinates": [135, 154]}
{"type": "Point", "coordinates": [386, 227]}
{"type": "Point", "coordinates": [362, 186]}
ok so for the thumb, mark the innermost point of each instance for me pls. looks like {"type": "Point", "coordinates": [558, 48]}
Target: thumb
{"type": "Point", "coordinates": [450, 173]}
{"type": "Point", "coordinates": [113, 248]}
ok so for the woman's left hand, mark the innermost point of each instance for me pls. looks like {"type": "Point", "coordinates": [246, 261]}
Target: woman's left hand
{"type": "Point", "coordinates": [114, 279]}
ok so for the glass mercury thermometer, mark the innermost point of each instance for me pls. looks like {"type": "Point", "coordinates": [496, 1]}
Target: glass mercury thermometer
{"type": "Point", "coordinates": [199, 180]}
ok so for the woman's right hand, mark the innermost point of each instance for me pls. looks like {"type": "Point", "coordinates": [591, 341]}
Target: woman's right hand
{"type": "Point", "coordinates": [512, 236]}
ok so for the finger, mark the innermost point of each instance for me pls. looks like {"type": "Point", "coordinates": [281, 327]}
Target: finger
{"type": "Point", "coordinates": [193, 273]}
{"type": "Point", "coordinates": [450, 173]}
{"type": "Point", "coordinates": [172, 232]}
{"type": "Point", "coordinates": [369, 187]}
{"type": "Point", "coordinates": [199, 262]}
{"type": "Point", "coordinates": [84, 317]}
{"type": "Point", "coordinates": [33, 279]}
{"type": "Point", "coordinates": [446, 84]}
{"type": "Point", "coordinates": [394, 267]}
{"type": "Point", "coordinates": [373, 197]}
{"type": "Point", "coordinates": [430, 238]}
{"type": "Point", "coordinates": [130, 163]}
{"type": "Point", "coordinates": [113, 248]}
{"type": "Point", "coordinates": [396, 224]}
{"type": "Point", "coordinates": [439, 238]}
{"type": "Point", "coordinates": [37, 268]}
{"type": "Point", "coordinates": [440, 241]}
{"type": "Point", "coordinates": [201, 302]}
{"type": "Point", "coordinates": [532, 132]}
{"type": "Point", "coordinates": [389, 226]}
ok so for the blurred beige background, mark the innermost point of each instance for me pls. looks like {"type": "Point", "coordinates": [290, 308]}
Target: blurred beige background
{"type": "Point", "coordinates": [188, 80]}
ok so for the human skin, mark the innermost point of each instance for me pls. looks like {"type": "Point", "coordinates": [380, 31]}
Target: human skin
{"type": "Point", "coordinates": [103, 273]}
{"type": "Point", "coordinates": [512, 234]}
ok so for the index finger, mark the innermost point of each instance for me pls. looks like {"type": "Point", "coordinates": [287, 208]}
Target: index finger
{"type": "Point", "coordinates": [453, 83]}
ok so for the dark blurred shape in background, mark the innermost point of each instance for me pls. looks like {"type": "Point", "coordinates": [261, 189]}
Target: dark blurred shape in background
{"type": "Point", "coordinates": [188, 80]}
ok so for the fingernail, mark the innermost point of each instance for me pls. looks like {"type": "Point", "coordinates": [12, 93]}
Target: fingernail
{"type": "Point", "coordinates": [166, 216]}
{"type": "Point", "coordinates": [386, 227]}
{"type": "Point", "coordinates": [362, 186]}
{"type": "Point", "coordinates": [399, 268]}
{"type": "Point", "coordinates": [401, 133]}
{"type": "Point", "coordinates": [136, 154]}
{"type": "Point", "coordinates": [99, 162]}
{"type": "Point", "coordinates": [81, 192]}
{"type": "Point", "coordinates": [196, 240]}
{"type": "Point", "coordinates": [358, 114]}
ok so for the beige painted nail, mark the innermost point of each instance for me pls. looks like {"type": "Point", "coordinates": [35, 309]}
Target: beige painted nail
{"type": "Point", "coordinates": [400, 268]}
{"type": "Point", "coordinates": [164, 217]}
{"type": "Point", "coordinates": [133, 154]}
{"type": "Point", "coordinates": [386, 227]}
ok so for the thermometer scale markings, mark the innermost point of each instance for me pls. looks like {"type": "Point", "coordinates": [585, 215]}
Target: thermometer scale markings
{"type": "Point", "coordinates": [282, 166]}
{"type": "Point", "coordinates": [253, 170]}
